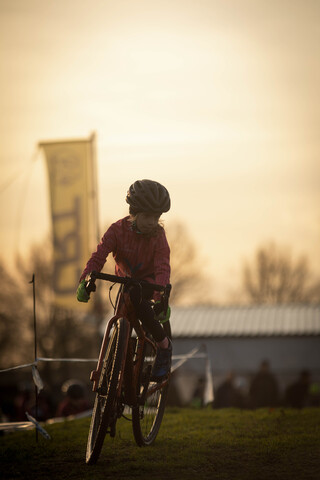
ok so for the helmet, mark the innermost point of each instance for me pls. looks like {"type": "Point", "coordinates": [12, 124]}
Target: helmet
{"type": "Point", "coordinates": [148, 196]}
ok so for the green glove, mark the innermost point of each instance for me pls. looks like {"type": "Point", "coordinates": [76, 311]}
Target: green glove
{"type": "Point", "coordinates": [160, 315]}
{"type": "Point", "coordinates": [82, 295]}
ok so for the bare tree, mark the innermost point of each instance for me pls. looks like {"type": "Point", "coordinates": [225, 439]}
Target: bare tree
{"type": "Point", "coordinates": [13, 319]}
{"type": "Point", "coordinates": [189, 284]}
{"type": "Point", "coordinates": [60, 332]}
{"type": "Point", "coordinates": [275, 277]}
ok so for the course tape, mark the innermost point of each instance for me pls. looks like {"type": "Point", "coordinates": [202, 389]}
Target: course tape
{"type": "Point", "coordinates": [35, 363]}
{"type": "Point", "coordinates": [182, 358]}
{"type": "Point", "coordinates": [16, 426]}
{"type": "Point", "coordinates": [37, 379]}
{"type": "Point", "coordinates": [19, 366]}
{"type": "Point", "coordinates": [43, 432]}
{"type": "Point", "coordinates": [40, 359]}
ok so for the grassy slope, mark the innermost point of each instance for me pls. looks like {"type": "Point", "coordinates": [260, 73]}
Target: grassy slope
{"type": "Point", "coordinates": [192, 444]}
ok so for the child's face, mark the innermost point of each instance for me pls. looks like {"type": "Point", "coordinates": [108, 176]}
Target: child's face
{"type": "Point", "coordinates": [147, 222]}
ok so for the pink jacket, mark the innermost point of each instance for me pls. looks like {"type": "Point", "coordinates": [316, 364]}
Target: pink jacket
{"type": "Point", "coordinates": [145, 258]}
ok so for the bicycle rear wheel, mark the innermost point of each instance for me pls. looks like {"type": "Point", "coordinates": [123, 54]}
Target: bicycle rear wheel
{"type": "Point", "coordinates": [147, 417]}
{"type": "Point", "coordinates": [104, 414]}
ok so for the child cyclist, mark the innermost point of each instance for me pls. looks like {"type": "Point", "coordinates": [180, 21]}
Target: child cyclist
{"type": "Point", "coordinates": [140, 249]}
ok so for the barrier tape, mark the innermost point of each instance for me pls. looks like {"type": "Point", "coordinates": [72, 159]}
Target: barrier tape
{"type": "Point", "coordinates": [19, 366]}
{"type": "Point", "coordinates": [191, 354]}
{"type": "Point", "coordinates": [43, 432]}
{"type": "Point", "coordinates": [40, 359]}
{"type": "Point", "coordinates": [37, 379]}
{"type": "Point", "coordinates": [15, 426]}
{"type": "Point", "coordinates": [184, 359]}
{"type": "Point", "coordinates": [67, 359]}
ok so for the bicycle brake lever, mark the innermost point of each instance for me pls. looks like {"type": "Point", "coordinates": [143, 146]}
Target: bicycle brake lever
{"type": "Point", "coordinates": [165, 297]}
{"type": "Point", "coordinates": [90, 285]}
{"type": "Point", "coordinates": [167, 290]}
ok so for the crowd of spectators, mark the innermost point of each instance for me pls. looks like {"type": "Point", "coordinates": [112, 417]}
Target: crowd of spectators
{"type": "Point", "coordinates": [72, 399]}
{"type": "Point", "coordinates": [234, 391]}
{"type": "Point", "coordinates": [263, 391]}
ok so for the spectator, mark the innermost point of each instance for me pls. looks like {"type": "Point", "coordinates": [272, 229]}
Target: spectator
{"type": "Point", "coordinates": [314, 392]}
{"type": "Point", "coordinates": [296, 395]}
{"type": "Point", "coordinates": [75, 399]}
{"type": "Point", "coordinates": [26, 401]}
{"type": "Point", "coordinates": [198, 395]}
{"type": "Point", "coordinates": [23, 401]}
{"type": "Point", "coordinates": [264, 391]}
{"type": "Point", "coordinates": [227, 395]}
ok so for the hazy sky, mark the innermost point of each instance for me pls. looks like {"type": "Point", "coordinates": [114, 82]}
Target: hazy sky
{"type": "Point", "coordinates": [218, 100]}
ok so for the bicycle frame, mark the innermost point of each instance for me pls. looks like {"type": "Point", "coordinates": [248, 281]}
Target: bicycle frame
{"type": "Point", "coordinates": [120, 313]}
{"type": "Point", "coordinates": [131, 369]}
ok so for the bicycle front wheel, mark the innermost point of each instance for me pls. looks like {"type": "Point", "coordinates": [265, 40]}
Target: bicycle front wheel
{"type": "Point", "coordinates": [104, 414]}
{"type": "Point", "coordinates": [147, 416]}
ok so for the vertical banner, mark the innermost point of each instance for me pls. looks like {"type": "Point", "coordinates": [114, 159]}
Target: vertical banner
{"type": "Point", "coordinates": [74, 210]}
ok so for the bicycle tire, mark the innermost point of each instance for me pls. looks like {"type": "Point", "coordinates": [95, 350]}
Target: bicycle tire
{"type": "Point", "coordinates": [104, 412]}
{"type": "Point", "coordinates": [147, 418]}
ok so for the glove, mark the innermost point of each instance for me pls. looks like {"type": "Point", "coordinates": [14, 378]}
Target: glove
{"type": "Point", "coordinates": [82, 294]}
{"type": "Point", "coordinates": [160, 315]}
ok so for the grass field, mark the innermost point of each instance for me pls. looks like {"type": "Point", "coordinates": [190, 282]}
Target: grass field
{"type": "Point", "coordinates": [192, 444]}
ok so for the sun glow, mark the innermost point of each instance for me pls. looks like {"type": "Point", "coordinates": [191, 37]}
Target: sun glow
{"type": "Point", "coordinates": [201, 97]}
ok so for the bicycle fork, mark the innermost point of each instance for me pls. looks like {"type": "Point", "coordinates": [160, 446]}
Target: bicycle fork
{"type": "Point", "coordinates": [95, 374]}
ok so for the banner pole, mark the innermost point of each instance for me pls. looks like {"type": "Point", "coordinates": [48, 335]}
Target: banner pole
{"type": "Point", "coordinates": [35, 343]}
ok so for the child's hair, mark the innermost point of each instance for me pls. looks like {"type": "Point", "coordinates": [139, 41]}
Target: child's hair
{"type": "Point", "coordinates": [133, 221]}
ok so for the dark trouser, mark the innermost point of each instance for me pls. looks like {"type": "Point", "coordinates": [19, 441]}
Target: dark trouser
{"type": "Point", "coordinates": [144, 311]}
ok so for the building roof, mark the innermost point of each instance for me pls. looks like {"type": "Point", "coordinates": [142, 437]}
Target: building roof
{"type": "Point", "coordinates": [251, 321]}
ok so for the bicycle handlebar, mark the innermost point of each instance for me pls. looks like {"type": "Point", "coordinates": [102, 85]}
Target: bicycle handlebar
{"type": "Point", "coordinates": [90, 284]}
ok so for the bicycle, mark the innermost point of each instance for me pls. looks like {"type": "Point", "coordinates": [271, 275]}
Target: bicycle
{"type": "Point", "coordinates": [123, 374]}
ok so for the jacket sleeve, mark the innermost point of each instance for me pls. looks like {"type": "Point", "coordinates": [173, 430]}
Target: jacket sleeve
{"type": "Point", "coordinates": [162, 264]}
{"type": "Point", "coordinates": [97, 260]}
